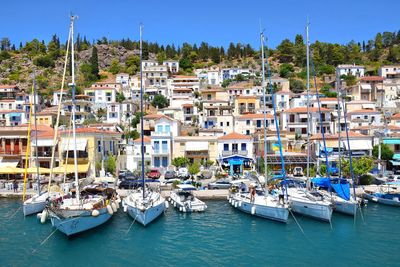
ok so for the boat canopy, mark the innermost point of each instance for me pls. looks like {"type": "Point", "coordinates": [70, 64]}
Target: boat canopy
{"type": "Point", "coordinates": [340, 186]}
{"type": "Point", "coordinates": [186, 187]}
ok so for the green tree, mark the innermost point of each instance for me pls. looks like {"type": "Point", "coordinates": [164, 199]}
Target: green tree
{"type": "Point", "coordinates": [386, 152]}
{"type": "Point", "coordinates": [180, 162]}
{"type": "Point", "coordinates": [194, 168]}
{"type": "Point", "coordinates": [132, 64]}
{"type": "Point", "coordinates": [299, 51]}
{"type": "Point", "coordinates": [161, 56]}
{"type": "Point", "coordinates": [286, 70]}
{"type": "Point", "coordinates": [94, 62]}
{"type": "Point", "coordinates": [115, 66]}
{"type": "Point", "coordinates": [349, 79]}
{"type": "Point", "coordinates": [120, 97]}
{"type": "Point", "coordinates": [361, 166]}
{"type": "Point", "coordinates": [110, 164]}
{"type": "Point", "coordinates": [160, 101]}
{"type": "Point", "coordinates": [394, 54]}
{"type": "Point", "coordinates": [101, 113]}
{"type": "Point", "coordinates": [44, 61]}
{"type": "Point", "coordinates": [285, 51]}
{"type": "Point", "coordinates": [296, 85]}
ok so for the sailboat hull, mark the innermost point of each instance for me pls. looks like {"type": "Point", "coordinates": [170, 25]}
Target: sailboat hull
{"type": "Point", "coordinates": [75, 225]}
{"type": "Point", "coordinates": [379, 198]}
{"type": "Point", "coordinates": [146, 216]}
{"type": "Point", "coordinates": [345, 207]}
{"type": "Point", "coordinates": [311, 209]}
{"type": "Point", "coordinates": [272, 212]}
{"type": "Point", "coordinates": [33, 207]}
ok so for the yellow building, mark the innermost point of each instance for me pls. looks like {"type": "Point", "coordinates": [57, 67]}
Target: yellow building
{"type": "Point", "coordinates": [196, 148]}
{"type": "Point", "coordinates": [246, 104]}
{"type": "Point", "coordinates": [89, 147]}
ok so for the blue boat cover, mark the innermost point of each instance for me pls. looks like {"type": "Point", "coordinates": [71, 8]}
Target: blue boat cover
{"type": "Point", "coordinates": [342, 189]}
{"type": "Point", "coordinates": [340, 186]}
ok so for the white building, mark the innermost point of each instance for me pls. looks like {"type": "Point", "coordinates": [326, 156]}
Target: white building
{"type": "Point", "coordinates": [231, 73]}
{"type": "Point", "coordinates": [123, 79]}
{"type": "Point", "coordinates": [172, 65]}
{"type": "Point", "coordinates": [389, 72]}
{"type": "Point", "coordinates": [355, 70]}
{"type": "Point", "coordinates": [134, 154]}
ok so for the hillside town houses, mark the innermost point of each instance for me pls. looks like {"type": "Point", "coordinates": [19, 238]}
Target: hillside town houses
{"type": "Point", "coordinates": [203, 121]}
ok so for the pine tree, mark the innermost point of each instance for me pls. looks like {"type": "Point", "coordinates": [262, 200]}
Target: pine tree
{"type": "Point", "coordinates": [94, 62]}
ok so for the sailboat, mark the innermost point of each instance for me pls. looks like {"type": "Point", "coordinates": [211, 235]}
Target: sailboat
{"type": "Point", "coordinates": [339, 188]}
{"type": "Point", "coordinates": [72, 214]}
{"type": "Point", "coordinates": [144, 205]}
{"type": "Point", "coordinates": [262, 204]}
{"type": "Point", "coordinates": [302, 201]}
{"type": "Point", "coordinates": [37, 202]}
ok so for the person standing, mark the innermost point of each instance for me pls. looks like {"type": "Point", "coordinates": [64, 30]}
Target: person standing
{"type": "Point", "coordinates": [15, 186]}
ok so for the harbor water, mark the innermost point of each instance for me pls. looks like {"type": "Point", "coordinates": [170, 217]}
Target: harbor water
{"type": "Point", "coordinates": [221, 236]}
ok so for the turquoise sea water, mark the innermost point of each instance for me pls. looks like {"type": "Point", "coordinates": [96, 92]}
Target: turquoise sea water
{"type": "Point", "coordinates": [221, 236]}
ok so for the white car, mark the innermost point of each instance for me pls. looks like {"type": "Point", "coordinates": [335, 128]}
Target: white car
{"type": "Point", "coordinates": [183, 173]}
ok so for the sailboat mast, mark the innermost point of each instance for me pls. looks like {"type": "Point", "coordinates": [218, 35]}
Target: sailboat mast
{"type": "Point", "coordinates": [265, 110]}
{"type": "Point", "coordinates": [339, 127]}
{"type": "Point", "coordinates": [141, 110]}
{"type": "Point", "coordinates": [348, 147]}
{"type": "Point", "coordinates": [308, 101]}
{"type": "Point", "coordinates": [36, 132]}
{"type": "Point", "coordinates": [74, 110]}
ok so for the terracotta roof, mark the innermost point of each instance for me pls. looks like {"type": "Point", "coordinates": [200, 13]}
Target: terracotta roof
{"type": "Point", "coordinates": [372, 78]}
{"type": "Point", "coordinates": [255, 116]}
{"type": "Point", "coordinates": [7, 86]}
{"type": "Point", "coordinates": [156, 117]}
{"type": "Point", "coordinates": [247, 97]}
{"type": "Point", "coordinates": [12, 111]}
{"type": "Point", "coordinates": [396, 116]}
{"type": "Point", "coordinates": [7, 100]}
{"type": "Point", "coordinates": [212, 90]}
{"type": "Point", "coordinates": [233, 136]}
{"type": "Point", "coordinates": [100, 88]}
{"type": "Point", "coordinates": [364, 111]}
{"type": "Point", "coordinates": [184, 76]}
{"type": "Point", "coordinates": [146, 139]}
{"type": "Point", "coordinates": [92, 130]}
{"type": "Point", "coordinates": [304, 110]}
{"type": "Point", "coordinates": [327, 99]}
{"type": "Point", "coordinates": [352, 134]}
{"type": "Point", "coordinates": [187, 105]}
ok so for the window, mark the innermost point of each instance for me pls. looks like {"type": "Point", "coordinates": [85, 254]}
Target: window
{"type": "Point", "coordinates": [226, 147]}
{"type": "Point", "coordinates": [247, 122]}
{"type": "Point", "coordinates": [209, 97]}
{"type": "Point", "coordinates": [156, 146]}
{"type": "Point", "coordinates": [182, 144]}
{"type": "Point", "coordinates": [156, 161]}
{"type": "Point", "coordinates": [243, 146]}
{"type": "Point", "coordinates": [159, 128]}
{"type": "Point", "coordinates": [234, 147]}
{"type": "Point", "coordinates": [258, 123]}
{"type": "Point", "coordinates": [164, 146]}
{"type": "Point", "coordinates": [221, 124]}
{"type": "Point", "coordinates": [164, 161]}
{"type": "Point", "coordinates": [98, 146]}
{"type": "Point", "coordinates": [247, 132]}
{"type": "Point", "coordinates": [227, 123]}
{"type": "Point", "coordinates": [167, 128]}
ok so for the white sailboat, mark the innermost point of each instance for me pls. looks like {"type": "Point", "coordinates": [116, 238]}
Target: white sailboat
{"type": "Point", "coordinates": [311, 204]}
{"type": "Point", "coordinates": [262, 204]}
{"type": "Point", "coordinates": [144, 205]}
{"type": "Point", "coordinates": [37, 202]}
{"type": "Point", "coordinates": [72, 215]}
{"type": "Point", "coordinates": [184, 200]}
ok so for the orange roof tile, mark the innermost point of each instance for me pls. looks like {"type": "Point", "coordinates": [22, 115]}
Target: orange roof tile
{"type": "Point", "coordinates": [92, 130]}
{"type": "Point", "coordinates": [352, 134]}
{"type": "Point", "coordinates": [255, 116]}
{"type": "Point", "coordinates": [372, 78]}
{"type": "Point", "coordinates": [304, 110]}
{"type": "Point", "coordinates": [233, 136]}
{"type": "Point", "coordinates": [328, 99]}
{"type": "Point", "coordinates": [146, 139]}
{"type": "Point", "coordinates": [187, 105]}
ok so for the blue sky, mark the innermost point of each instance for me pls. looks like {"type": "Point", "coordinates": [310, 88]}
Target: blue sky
{"type": "Point", "coordinates": [216, 21]}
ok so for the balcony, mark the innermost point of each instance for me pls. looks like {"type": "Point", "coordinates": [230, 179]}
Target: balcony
{"type": "Point", "coordinates": [10, 152]}
{"type": "Point", "coordinates": [196, 154]}
{"type": "Point", "coordinates": [227, 153]}
{"type": "Point", "coordinates": [161, 152]}
{"type": "Point", "coordinates": [161, 134]}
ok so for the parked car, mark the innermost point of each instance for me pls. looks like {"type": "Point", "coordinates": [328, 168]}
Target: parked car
{"type": "Point", "coordinates": [205, 175]}
{"type": "Point", "coordinates": [124, 173]}
{"type": "Point", "coordinates": [154, 174]}
{"type": "Point", "coordinates": [220, 184]}
{"type": "Point", "coordinates": [183, 173]}
{"type": "Point", "coordinates": [298, 171]}
{"type": "Point", "coordinates": [130, 183]}
{"type": "Point", "coordinates": [169, 175]}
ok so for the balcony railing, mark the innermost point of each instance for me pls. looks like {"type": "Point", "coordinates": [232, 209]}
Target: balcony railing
{"type": "Point", "coordinates": [226, 153]}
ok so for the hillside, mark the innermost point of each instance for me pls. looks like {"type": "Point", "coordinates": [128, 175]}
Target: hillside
{"type": "Point", "coordinates": [287, 60]}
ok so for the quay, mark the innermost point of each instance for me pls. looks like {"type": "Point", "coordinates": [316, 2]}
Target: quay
{"type": "Point", "coordinates": [218, 194]}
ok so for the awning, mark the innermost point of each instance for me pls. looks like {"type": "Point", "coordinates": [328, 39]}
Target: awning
{"type": "Point", "coordinates": [33, 170]}
{"type": "Point", "coordinates": [11, 170]}
{"type": "Point", "coordinates": [358, 145]}
{"type": "Point", "coordinates": [69, 145]}
{"type": "Point", "coordinates": [70, 168]}
{"type": "Point", "coordinates": [43, 142]}
{"type": "Point", "coordinates": [196, 146]}
{"type": "Point", "coordinates": [331, 143]}
{"type": "Point", "coordinates": [366, 87]}
{"type": "Point", "coordinates": [8, 163]}
{"type": "Point", "coordinates": [391, 141]}
{"type": "Point", "coordinates": [396, 156]}
{"type": "Point", "coordinates": [395, 162]}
